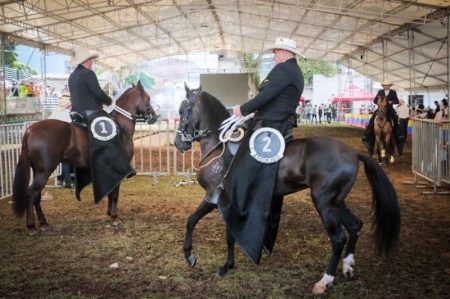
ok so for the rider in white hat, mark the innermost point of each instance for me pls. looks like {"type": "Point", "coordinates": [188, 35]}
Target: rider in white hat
{"type": "Point", "coordinates": [391, 96]}
{"type": "Point", "coordinates": [274, 108]}
{"type": "Point", "coordinates": [85, 91]}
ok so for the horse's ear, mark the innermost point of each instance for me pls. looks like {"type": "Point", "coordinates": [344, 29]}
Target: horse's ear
{"type": "Point", "coordinates": [188, 91]}
{"type": "Point", "coordinates": [132, 84]}
{"type": "Point", "coordinates": [139, 83]}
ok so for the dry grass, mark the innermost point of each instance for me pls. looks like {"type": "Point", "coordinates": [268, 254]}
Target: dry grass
{"type": "Point", "coordinates": [72, 259]}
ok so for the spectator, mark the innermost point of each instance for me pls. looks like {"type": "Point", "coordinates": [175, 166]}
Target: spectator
{"type": "Point", "coordinates": [421, 112]}
{"type": "Point", "coordinates": [37, 91]}
{"type": "Point", "coordinates": [443, 113]}
{"type": "Point", "coordinates": [299, 111]}
{"type": "Point", "coordinates": [314, 113]}
{"type": "Point", "coordinates": [14, 90]}
{"type": "Point", "coordinates": [308, 111]}
{"type": "Point", "coordinates": [30, 89]}
{"type": "Point", "coordinates": [320, 111]}
{"type": "Point", "coordinates": [22, 89]}
{"type": "Point", "coordinates": [329, 113]}
{"type": "Point", "coordinates": [436, 110]}
{"type": "Point", "coordinates": [403, 115]}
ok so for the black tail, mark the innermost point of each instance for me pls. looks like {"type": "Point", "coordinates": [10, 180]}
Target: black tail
{"type": "Point", "coordinates": [386, 212]}
{"type": "Point", "coordinates": [21, 180]}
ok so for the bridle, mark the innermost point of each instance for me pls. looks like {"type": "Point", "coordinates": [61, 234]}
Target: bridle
{"type": "Point", "coordinates": [133, 117]}
{"type": "Point", "coordinates": [184, 124]}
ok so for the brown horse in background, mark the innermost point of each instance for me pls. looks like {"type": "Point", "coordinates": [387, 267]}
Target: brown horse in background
{"type": "Point", "coordinates": [324, 164]}
{"type": "Point", "coordinates": [383, 132]}
{"type": "Point", "coordinates": [49, 142]}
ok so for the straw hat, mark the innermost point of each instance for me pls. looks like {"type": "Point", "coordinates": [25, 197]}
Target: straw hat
{"type": "Point", "coordinates": [82, 56]}
{"type": "Point", "coordinates": [387, 83]}
{"type": "Point", "coordinates": [285, 44]}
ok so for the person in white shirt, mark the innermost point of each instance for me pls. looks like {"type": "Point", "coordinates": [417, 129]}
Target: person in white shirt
{"type": "Point", "coordinates": [443, 113]}
{"type": "Point", "coordinates": [403, 112]}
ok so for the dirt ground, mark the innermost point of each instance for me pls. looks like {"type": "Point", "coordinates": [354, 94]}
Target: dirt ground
{"type": "Point", "coordinates": [74, 258]}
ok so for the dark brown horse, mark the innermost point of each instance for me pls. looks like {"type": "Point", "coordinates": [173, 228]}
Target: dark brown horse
{"type": "Point", "coordinates": [383, 132]}
{"type": "Point", "coordinates": [325, 165]}
{"type": "Point", "coordinates": [48, 142]}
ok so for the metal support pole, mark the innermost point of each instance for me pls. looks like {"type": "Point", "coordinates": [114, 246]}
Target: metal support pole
{"type": "Point", "coordinates": [384, 47]}
{"type": "Point", "coordinates": [3, 40]}
{"type": "Point", "coordinates": [44, 77]}
{"type": "Point", "coordinates": [448, 57]}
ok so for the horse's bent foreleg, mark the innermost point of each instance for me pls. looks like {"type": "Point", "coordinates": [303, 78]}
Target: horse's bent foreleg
{"type": "Point", "coordinates": [353, 225]}
{"type": "Point", "coordinates": [113, 199]}
{"type": "Point", "coordinates": [204, 209]}
{"type": "Point", "coordinates": [229, 264]}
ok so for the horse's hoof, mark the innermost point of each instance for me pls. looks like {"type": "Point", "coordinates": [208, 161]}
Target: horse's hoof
{"type": "Point", "coordinates": [319, 289]}
{"type": "Point", "coordinates": [349, 273]}
{"type": "Point", "coordinates": [191, 260]}
{"type": "Point", "coordinates": [117, 222]}
{"type": "Point", "coordinates": [32, 231]}
{"type": "Point", "coordinates": [223, 271]}
{"type": "Point", "coordinates": [44, 227]}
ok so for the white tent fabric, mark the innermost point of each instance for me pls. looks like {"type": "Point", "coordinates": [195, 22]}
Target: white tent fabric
{"type": "Point", "coordinates": [402, 40]}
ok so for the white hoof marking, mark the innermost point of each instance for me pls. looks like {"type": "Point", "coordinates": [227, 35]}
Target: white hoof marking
{"type": "Point", "coordinates": [347, 266]}
{"type": "Point", "coordinates": [392, 160]}
{"type": "Point", "coordinates": [321, 286]}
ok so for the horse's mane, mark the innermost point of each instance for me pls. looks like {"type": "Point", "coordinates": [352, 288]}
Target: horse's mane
{"type": "Point", "coordinates": [123, 95]}
{"type": "Point", "coordinates": [216, 111]}
{"type": "Point", "coordinates": [127, 91]}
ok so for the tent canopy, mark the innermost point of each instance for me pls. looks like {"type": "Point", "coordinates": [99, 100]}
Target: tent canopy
{"type": "Point", "coordinates": [353, 93]}
{"type": "Point", "coordinates": [404, 41]}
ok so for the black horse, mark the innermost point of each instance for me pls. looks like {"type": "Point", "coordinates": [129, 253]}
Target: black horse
{"type": "Point", "coordinates": [325, 165]}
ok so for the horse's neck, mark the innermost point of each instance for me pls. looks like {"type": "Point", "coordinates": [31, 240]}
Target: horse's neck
{"type": "Point", "coordinates": [125, 124]}
{"type": "Point", "coordinates": [207, 144]}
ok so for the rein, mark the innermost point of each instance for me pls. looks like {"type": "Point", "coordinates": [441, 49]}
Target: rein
{"type": "Point", "coordinates": [213, 159]}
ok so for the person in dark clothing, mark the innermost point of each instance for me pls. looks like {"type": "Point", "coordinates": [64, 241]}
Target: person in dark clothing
{"type": "Point", "coordinates": [86, 94]}
{"type": "Point", "coordinates": [247, 202]}
{"type": "Point", "coordinates": [87, 99]}
{"type": "Point", "coordinates": [391, 96]}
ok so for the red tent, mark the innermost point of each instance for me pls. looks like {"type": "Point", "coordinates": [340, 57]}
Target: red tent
{"type": "Point", "coordinates": [353, 93]}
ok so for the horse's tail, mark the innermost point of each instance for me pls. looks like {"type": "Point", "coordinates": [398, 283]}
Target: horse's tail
{"type": "Point", "coordinates": [21, 180]}
{"type": "Point", "coordinates": [386, 212]}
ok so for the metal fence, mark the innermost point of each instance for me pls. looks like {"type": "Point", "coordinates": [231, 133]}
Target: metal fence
{"type": "Point", "coordinates": [154, 153]}
{"type": "Point", "coordinates": [431, 153]}
{"type": "Point", "coordinates": [10, 145]}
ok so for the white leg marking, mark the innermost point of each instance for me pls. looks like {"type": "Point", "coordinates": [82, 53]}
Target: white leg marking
{"type": "Point", "coordinates": [383, 153]}
{"type": "Point", "coordinates": [392, 160]}
{"type": "Point", "coordinates": [347, 266]}
{"type": "Point", "coordinates": [321, 286]}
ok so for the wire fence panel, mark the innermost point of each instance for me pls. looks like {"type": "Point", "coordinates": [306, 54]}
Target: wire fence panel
{"type": "Point", "coordinates": [430, 151]}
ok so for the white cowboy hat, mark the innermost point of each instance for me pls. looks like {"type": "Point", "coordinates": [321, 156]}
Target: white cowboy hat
{"type": "Point", "coordinates": [285, 44]}
{"type": "Point", "coordinates": [387, 82]}
{"type": "Point", "coordinates": [82, 56]}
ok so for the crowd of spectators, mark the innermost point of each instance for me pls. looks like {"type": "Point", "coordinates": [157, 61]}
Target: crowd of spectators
{"type": "Point", "coordinates": [439, 113]}
{"type": "Point", "coordinates": [29, 88]}
{"type": "Point", "coordinates": [316, 114]}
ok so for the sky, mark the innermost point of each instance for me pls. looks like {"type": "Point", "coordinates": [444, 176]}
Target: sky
{"type": "Point", "coordinates": [31, 56]}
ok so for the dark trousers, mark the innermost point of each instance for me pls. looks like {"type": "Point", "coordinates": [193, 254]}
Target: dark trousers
{"type": "Point", "coordinates": [66, 174]}
{"type": "Point", "coordinates": [404, 126]}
